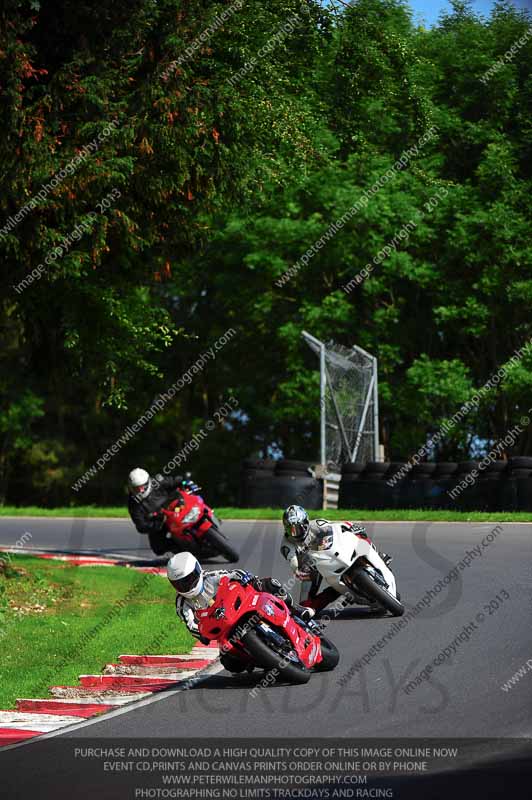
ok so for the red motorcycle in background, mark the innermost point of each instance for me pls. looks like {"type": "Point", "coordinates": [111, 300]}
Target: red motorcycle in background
{"type": "Point", "coordinates": [258, 629]}
{"type": "Point", "coordinates": [194, 526]}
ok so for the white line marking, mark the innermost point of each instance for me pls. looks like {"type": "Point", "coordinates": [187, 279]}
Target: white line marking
{"type": "Point", "coordinates": [112, 700]}
{"type": "Point", "coordinates": [27, 720]}
{"type": "Point", "coordinates": [156, 698]}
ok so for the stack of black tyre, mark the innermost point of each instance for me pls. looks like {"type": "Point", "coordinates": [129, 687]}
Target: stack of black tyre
{"type": "Point", "coordinates": [516, 490]}
{"type": "Point", "coordinates": [350, 494]}
{"type": "Point", "coordinates": [277, 484]}
{"type": "Point", "coordinates": [257, 487]}
{"type": "Point", "coordinates": [464, 486]}
{"type": "Point", "coordinates": [296, 485]}
{"type": "Point", "coordinates": [365, 486]}
{"type": "Point", "coordinates": [493, 486]}
{"type": "Point", "coordinates": [444, 481]}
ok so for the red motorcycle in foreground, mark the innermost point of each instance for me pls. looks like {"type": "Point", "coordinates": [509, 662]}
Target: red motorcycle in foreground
{"type": "Point", "coordinates": [194, 526]}
{"type": "Point", "coordinates": [258, 629]}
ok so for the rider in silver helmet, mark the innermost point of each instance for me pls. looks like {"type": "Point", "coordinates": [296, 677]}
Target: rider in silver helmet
{"type": "Point", "coordinates": [300, 536]}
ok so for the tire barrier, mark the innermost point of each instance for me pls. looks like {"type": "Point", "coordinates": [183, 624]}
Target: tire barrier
{"type": "Point", "coordinates": [496, 486]}
{"type": "Point", "coordinates": [292, 467]}
{"type": "Point", "coordinates": [516, 492]}
{"type": "Point", "coordinates": [255, 465]}
{"type": "Point", "coordinates": [256, 485]}
{"type": "Point", "coordinates": [351, 475]}
{"type": "Point", "coordinates": [353, 469]}
{"type": "Point", "coordinates": [445, 469]}
{"type": "Point", "coordinates": [488, 492]}
{"type": "Point", "coordinates": [304, 491]}
{"type": "Point", "coordinates": [271, 484]}
{"type": "Point", "coordinates": [375, 470]}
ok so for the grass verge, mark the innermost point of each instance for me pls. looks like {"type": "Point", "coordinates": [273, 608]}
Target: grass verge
{"type": "Point", "coordinates": [66, 511]}
{"type": "Point", "coordinates": [396, 515]}
{"type": "Point", "coordinates": [59, 621]}
{"type": "Point", "coordinates": [405, 515]}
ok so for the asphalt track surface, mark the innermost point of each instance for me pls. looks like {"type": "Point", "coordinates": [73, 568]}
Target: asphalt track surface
{"type": "Point", "coordinates": [461, 698]}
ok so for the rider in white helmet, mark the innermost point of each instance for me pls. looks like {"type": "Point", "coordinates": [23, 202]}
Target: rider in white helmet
{"type": "Point", "coordinates": [146, 498]}
{"type": "Point", "coordinates": [196, 589]}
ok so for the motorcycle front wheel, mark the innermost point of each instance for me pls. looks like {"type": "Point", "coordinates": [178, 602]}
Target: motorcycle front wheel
{"type": "Point", "coordinates": [330, 656]}
{"type": "Point", "coordinates": [218, 541]}
{"type": "Point", "coordinates": [367, 585]}
{"type": "Point", "coordinates": [270, 660]}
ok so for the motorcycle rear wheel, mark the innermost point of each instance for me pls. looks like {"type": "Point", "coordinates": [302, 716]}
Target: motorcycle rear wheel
{"type": "Point", "coordinates": [367, 585]}
{"type": "Point", "coordinates": [270, 660]}
{"type": "Point", "coordinates": [214, 538]}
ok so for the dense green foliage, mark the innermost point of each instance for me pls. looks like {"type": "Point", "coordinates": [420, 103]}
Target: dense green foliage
{"type": "Point", "coordinates": [218, 177]}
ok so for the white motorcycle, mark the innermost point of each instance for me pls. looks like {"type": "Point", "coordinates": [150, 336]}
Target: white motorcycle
{"type": "Point", "coordinates": [352, 565]}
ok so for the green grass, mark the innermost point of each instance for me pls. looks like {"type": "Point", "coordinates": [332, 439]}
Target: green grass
{"type": "Point", "coordinates": [406, 515]}
{"type": "Point", "coordinates": [67, 511]}
{"type": "Point", "coordinates": [48, 613]}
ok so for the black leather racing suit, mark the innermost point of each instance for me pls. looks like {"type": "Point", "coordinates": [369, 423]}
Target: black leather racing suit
{"type": "Point", "coordinates": [141, 512]}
